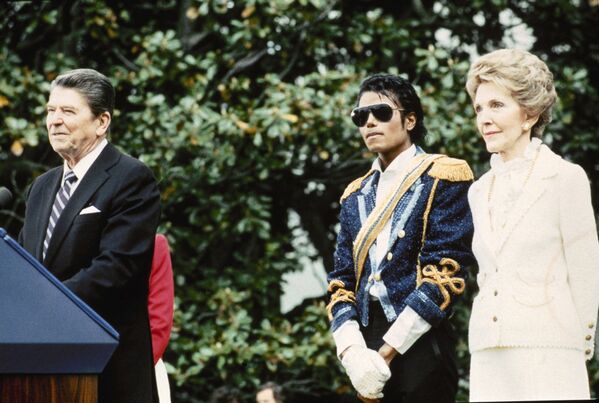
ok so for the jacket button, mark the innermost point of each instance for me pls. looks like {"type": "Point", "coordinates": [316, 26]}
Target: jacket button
{"type": "Point", "coordinates": [389, 256]}
{"type": "Point", "coordinates": [588, 351]}
{"type": "Point", "coordinates": [495, 293]}
{"type": "Point", "coordinates": [589, 337]}
{"type": "Point", "coordinates": [591, 325]}
{"type": "Point", "coordinates": [377, 277]}
{"type": "Point", "coordinates": [494, 318]}
{"type": "Point", "coordinates": [401, 233]}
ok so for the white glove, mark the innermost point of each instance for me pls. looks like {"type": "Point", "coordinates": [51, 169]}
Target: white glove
{"type": "Point", "coordinates": [367, 371]}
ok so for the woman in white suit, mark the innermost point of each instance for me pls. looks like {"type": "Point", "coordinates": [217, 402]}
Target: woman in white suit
{"type": "Point", "coordinates": [535, 240]}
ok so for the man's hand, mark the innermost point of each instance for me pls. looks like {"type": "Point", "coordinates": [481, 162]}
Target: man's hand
{"type": "Point", "coordinates": [388, 353]}
{"type": "Point", "coordinates": [367, 371]}
{"type": "Point", "coordinates": [367, 400]}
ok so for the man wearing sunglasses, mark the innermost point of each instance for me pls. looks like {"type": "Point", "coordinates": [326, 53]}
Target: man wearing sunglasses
{"type": "Point", "coordinates": [401, 254]}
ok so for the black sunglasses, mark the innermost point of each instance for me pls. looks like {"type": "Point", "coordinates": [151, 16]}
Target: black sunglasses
{"type": "Point", "coordinates": [381, 112]}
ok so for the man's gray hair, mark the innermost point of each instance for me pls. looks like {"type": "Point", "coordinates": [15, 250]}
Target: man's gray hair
{"type": "Point", "coordinates": [92, 85]}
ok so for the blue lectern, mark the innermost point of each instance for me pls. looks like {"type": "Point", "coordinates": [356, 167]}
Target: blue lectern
{"type": "Point", "coordinates": [48, 336]}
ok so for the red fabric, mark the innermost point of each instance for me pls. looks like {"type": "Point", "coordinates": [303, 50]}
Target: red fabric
{"type": "Point", "coordinates": [161, 297]}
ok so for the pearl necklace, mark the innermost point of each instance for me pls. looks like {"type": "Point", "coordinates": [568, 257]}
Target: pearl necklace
{"type": "Point", "coordinates": [492, 185]}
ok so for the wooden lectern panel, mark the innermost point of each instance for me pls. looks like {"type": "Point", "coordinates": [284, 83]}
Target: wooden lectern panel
{"type": "Point", "coordinates": [49, 388]}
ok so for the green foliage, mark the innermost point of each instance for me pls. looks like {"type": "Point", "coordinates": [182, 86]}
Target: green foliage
{"type": "Point", "coordinates": [226, 345]}
{"type": "Point", "coordinates": [241, 110]}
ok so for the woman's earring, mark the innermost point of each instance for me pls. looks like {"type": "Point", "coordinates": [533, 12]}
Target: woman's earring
{"type": "Point", "coordinates": [525, 127]}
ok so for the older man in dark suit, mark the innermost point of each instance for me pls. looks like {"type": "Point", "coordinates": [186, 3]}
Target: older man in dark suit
{"type": "Point", "coordinates": [92, 221]}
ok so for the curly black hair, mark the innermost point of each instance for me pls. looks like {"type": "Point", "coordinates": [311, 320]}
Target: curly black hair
{"type": "Point", "coordinates": [402, 93]}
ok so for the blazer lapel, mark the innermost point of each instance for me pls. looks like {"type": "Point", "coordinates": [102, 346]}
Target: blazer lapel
{"type": "Point", "coordinates": [46, 208]}
{"type": "Point", "coordinates": [367, 196]}
{"type": "Point", "coordinates": [480, 212]}
{"type": "Point", "coordinates": [544, 168]}
{"type": "Point", "coordinates": [93, 179]}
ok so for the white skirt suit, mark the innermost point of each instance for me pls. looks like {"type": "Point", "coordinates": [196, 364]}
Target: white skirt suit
{"type": "Point", "coordinates": [535, 240]}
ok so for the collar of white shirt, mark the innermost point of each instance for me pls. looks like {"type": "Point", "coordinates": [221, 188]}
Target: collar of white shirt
{"type": "Point", "coordinates": [81, 168]}
{"type": "Point", "coordinates": [399, 163]}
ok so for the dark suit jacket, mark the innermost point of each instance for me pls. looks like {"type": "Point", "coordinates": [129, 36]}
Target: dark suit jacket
{"type": "Point", "coordinates": [105, 258]}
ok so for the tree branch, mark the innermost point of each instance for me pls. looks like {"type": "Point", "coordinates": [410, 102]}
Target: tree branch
{"type": "Point", "coordinates": [302, 36]}
{"type": "Point", "coordinates": [246, 62]}
{"type": "Point", "coordinates": [128, 63]}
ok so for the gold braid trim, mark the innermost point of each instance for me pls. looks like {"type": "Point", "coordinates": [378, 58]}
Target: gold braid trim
{"type": "Point", "coordinates": [444, 279]}
{"type": "Point", "coordinates": [341, 295]}
{"type": "Point", "coordinates": [451, 169]}
{"type": "Point", "coordinates": [354, 185]}
{"type": "Point", "coordinates": [335, 284]}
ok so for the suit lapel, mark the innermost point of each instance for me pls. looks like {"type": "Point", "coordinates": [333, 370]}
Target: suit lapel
{"type": "Point", "coordinates": [366, 196]}
{"type": "Point", "coordinates": [369, 193]}
{"type": "Point", "coordinates": [93, 179]}
{"type": "Point", "coordinates": [544, 168]}
{"type": "Point", "coordinates": [480, 212]}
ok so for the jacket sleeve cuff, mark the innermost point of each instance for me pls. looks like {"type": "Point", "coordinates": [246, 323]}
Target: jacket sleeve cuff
{"type": "Point", "coordinates": [407, 328]}
{"type": "Point", "coordinates": [341, 313]}
{"type": "Point", "coordinates": [425, 306]}
{"type": "Point", "coordinates": [348, 334]}
{"type": "Point", "coordinates": [590, 337]}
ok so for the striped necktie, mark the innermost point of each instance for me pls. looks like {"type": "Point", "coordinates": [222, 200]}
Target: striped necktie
{"type": "Point", "coordinates": [62, 197]}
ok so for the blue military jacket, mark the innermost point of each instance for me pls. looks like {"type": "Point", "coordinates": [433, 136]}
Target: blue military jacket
{"type": "Point", "coordinates": [429, 245]}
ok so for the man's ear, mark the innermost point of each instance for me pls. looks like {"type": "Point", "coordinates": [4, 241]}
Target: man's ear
{"type": "Point", "coordinates": [103, 120]}
{"type": "Point", "coordinates": [410, 121]}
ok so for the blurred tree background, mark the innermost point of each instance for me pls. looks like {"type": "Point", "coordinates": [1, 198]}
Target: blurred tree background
{"type": "Point", "coordinates": [241, 110]}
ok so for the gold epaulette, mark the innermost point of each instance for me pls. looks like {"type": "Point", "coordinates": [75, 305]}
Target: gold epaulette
{"type": "Point", "coordinates": [451, 169]}
{"type": "Point", "coordinates": [355, 185]}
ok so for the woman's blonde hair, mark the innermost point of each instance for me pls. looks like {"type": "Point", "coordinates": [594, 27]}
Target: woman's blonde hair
{"type": "Point", "coordinates": [521, 73]}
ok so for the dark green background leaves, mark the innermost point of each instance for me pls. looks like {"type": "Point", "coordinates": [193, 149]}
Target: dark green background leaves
{"type": "Point", "coordinates": [241, 110]}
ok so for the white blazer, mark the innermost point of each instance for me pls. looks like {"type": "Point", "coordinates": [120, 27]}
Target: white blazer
{"type": "Point", "coordinates": [539, 275]}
